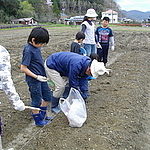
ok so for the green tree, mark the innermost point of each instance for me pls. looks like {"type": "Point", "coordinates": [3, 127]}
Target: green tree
{"type": "Point", "coordinates": [26, 10]}
{"type": "Point", "coordinates": [43, 12]}
{"type": "Point", "coordinates": [8, 9]}
{"type": "Point", "coordinates": [56, 7]}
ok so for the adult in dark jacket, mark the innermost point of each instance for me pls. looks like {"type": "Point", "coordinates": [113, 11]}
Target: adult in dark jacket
{"type": "Point", "coordinates": [67, 66]}
{"type": "Point", "coordinates": [64, 67]}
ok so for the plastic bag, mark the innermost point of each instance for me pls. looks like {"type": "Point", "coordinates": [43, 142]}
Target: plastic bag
{"type": "Point", "coordinates": [74, 108]}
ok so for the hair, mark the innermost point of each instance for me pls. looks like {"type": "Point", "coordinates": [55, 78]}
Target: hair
{"type": "Point", "coordinates": [106, 19]}
{"type": "Point", "coordinates": [40, 35]}
{"type": "Point", "coordinates": [94, 56]}
{"type": "Point", "coordinates": [85, 18]}
{"type": "Point", "coordinates": [80, 35]}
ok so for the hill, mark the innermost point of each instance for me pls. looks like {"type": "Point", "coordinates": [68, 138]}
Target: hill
{"type": "Point", "coordinates": [136, 15]}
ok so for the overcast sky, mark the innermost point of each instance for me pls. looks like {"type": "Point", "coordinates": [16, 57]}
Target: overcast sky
{"type": "Point", "coordinates": [141, 5]}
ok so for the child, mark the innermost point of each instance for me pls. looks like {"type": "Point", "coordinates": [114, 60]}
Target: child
{"type": "Point", "coordinates": [76, 45]}
{"type": "Point", "coordinates": [104, 35]}
{"type": "Point", "coordinates": [33, 66]}
{"type": "Point", "coordinates": [6, 84]}
{"type": "Point", "coordinates": [88, 28]}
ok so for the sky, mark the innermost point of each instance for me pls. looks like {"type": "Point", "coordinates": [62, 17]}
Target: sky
{"type": "Point", "coordinates": [141, 5]}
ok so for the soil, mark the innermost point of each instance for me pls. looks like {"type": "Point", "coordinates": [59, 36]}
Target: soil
{"type": "Point", "coordinates": [118, 108]}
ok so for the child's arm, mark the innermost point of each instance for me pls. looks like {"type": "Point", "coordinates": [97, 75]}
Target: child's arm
{"type": "Point", "coordinates": [6, 82]}
{"type": "Point", "coordinates": [112, 43]}
{"type": "Point", "coordinates": [31, 74]}
{"type": "Point", "coordinates": [27, 71]}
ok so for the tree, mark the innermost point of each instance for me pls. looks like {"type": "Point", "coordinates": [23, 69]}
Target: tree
{"type": "Point", "coordinates": [56, 7]}
{"type": "Point", "coordinates": [10, 7]}
{"type": "Point", "coordinates": [26, 10]}
{"type": "Point", "coordinates": [43, 11]}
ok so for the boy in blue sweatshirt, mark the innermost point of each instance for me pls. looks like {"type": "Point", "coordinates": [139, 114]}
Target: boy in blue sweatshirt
{"type": "Point", "coordinates": [104, 39]}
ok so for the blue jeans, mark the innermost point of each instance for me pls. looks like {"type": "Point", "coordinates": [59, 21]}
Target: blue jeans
{"type": "Point", "coordinates": [83, 51]}
{"type": "Point", "coordinates": [90, 48]}
{"type": "Point", "coordinates": [38, 91]}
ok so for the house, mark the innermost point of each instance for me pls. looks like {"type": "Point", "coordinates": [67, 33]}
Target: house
{"type": "Point", "coordinates": [76, 20]}
{"type": "Point", "coordinates": [25, 21]}
{"type": "Point", "coordinates": [126, 20]}
{"type": "Point", "coordinates": [112, 15]}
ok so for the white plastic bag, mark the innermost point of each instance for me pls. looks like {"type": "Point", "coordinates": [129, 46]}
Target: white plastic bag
{"type": "Point", "coordinates": [74, 108]}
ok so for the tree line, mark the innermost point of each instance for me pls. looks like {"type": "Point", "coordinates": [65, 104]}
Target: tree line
{"type": "Point", "coordinates": [44, 12]}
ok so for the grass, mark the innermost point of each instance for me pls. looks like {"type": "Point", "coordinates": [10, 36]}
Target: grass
{"type": "Point", "coordinates": [44, 25]}
{"type": "Point", "coordinates": [62, 26]}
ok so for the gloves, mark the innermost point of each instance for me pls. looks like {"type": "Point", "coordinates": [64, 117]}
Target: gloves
{"type": "Point", "coordinates": [112, 48]}
{"type": "Point", "coordinates": [90, 78]}
{"type": "Point", "coordinates": [99, 45]}
{"type": "Point", "coordinates": [41, 78]}
{"type": "Point", "coordinates": [112, 43]}
{"type": "Point", "coordinates": [19, 105]}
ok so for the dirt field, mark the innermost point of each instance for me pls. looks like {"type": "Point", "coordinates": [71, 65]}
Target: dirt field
{"type": "Point", "coordinates": [118, 108]}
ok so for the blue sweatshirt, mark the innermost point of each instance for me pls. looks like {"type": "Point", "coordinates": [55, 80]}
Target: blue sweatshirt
{"type": "Point", "coordinates": [73, 66]}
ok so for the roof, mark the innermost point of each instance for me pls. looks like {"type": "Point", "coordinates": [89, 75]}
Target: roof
{"type": "Point", "coordinates": [110, 11]}
{"type": "Point", "coordinates": [24, 19]}
{"type": "Point", "coordinates": [75, 18]}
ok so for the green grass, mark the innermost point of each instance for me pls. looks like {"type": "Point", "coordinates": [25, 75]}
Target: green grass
{"type": "Point", "coordinates": [62, 26]}
{"type": "Point", "coordinates": [47, 25]}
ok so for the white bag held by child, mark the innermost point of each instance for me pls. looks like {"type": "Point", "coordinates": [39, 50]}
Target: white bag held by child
{"type": "Point", "coordinates": [74, 108]}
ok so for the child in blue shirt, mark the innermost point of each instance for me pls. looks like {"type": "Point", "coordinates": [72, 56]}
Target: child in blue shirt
{"type": "Point", "coordinates": [33, 66]}
{"type": "Point", "coordinates": [104, 37]}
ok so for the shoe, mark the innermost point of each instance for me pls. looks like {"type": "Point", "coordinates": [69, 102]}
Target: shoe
{"type": "Point", "coordinates": [56, 110]}
{"type": "Point", "coordinates": [55, 105]}
{"type": "Point", "coordinates": [43, 113]}
{"type": "Point", "coordinates": [38, 118]}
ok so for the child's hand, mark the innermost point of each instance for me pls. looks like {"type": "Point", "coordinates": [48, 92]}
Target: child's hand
{"type": "Point", "coordinates": [99, 45]}
{"type": "Point", "coordinates": [41, 78]}
{"type": "Point", "coordinates": [19, 105]}
{"type": "Point", "coordinates": [112, 48]}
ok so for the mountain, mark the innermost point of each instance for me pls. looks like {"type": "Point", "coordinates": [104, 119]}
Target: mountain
{"type": "Point", "coordinates": [136, 15]}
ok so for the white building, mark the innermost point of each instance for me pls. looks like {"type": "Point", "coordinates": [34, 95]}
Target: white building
{"type": "Point", "coordinates": [112, 15]}
{"type": "Point", "coordinates": [49, 2]}
{"type": "Point", "coordinates": [25, 21]}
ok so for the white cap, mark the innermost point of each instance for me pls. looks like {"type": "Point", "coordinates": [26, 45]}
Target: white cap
{"type": "Point", "coordinates": [91, 13]}
{"type": "Point", "coordinates": [98, 68]}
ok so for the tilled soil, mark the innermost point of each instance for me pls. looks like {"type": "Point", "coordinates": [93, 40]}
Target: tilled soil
{"type": "Point", "coordinates": [118, 108]}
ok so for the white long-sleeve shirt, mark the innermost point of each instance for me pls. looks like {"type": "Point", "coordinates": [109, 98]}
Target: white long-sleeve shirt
{"type": "Point", "coordinates": [6, 83]}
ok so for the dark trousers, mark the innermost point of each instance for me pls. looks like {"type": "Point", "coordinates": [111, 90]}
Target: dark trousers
{"type": "Point", "coordinates": [103, 53]}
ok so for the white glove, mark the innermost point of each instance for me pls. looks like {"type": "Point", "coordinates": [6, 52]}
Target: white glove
{"type": "Point", "coordinates": [41, 78]}
{"type": "Point", "coordinates": [112, 48]}
{"type": "Point", "coordinates": [19, 105]}
{"type": "Point", "coordinates": [99, 45]}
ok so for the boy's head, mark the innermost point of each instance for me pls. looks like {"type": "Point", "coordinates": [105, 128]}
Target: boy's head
{"type": "Point", "coordinates": [94, 56]}
{"type": "Point", "coordinates": [105, 21]}
{"type": "Point", "coordinates": [80, 36]}
{"type": "Point", "coordinates": [39, 36]}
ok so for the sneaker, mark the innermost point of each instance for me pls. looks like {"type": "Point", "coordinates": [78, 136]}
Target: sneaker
{"type": "Point", "coordinates": [56, 110]}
